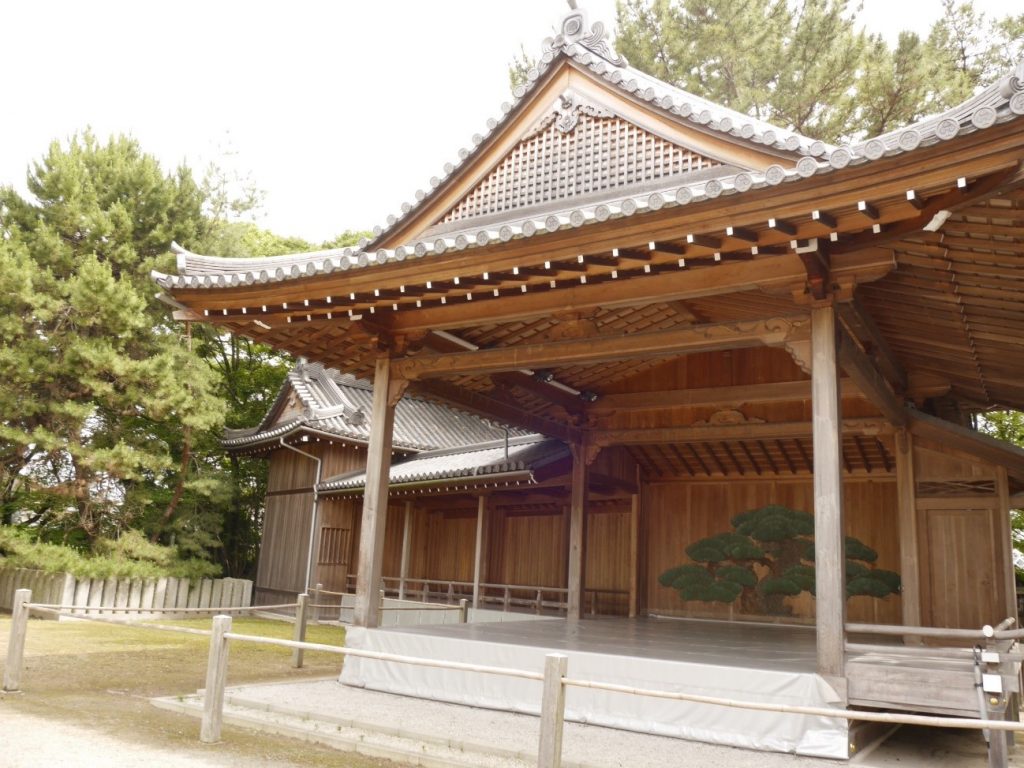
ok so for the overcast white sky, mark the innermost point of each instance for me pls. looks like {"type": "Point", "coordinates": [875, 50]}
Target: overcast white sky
{"type": "Point", "coordinates": [340, 110]}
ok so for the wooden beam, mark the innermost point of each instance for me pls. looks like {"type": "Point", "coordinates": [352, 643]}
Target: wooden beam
{"type": "Point", "coordinates": [862, 325]}
{"type": "Point", "coordinates": [768, 272]}
{"type": "Point", "coordinates": [1005, 533]}
{"type": "Point", "coordinates": [577, 530]}
{"type": "Point", "coordinates": [386, 392]}
{"type": "Point", "coordinates": [403, 568]}
{"type": "Point", "coordinates": [829, 535]}
{"type": "Point", "coordinates": [446, 343]}
{"type": "Point", "coordinates": [481, 514]}
{"type": "Point", "coordinates": [868, 380]}
{"type": "Point", "coordinates": [910, 594]}
{"type": "Point", "coordinates": [967, 441]}
{"type": "Point", "coordinates": [634, 555]}
{"type": "Point", "coordinates": [772, 392]}
{"type": "Point", "coordinates": [955, 198]}
{"type": "Point", "coordinates": [675, 341]}
{"type": "Point", "coordinates": [749, 431]}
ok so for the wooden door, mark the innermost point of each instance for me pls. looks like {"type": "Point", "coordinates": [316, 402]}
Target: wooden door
{"type": "Point", "coordinates": [961, 564]}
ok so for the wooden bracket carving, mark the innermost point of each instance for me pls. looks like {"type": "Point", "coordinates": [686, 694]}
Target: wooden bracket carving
{"type": "Point", "coordinates": [585, 451]}
{"type": "Point", "coordinates": [727, 416]}
{"type": "Point", "coordinates": [396, 388]}
{"type": "Point", "coordinates": [814, 255]}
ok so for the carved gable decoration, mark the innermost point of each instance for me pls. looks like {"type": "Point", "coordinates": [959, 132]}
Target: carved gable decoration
{"type": "Point", "coordinates": [578, 148]}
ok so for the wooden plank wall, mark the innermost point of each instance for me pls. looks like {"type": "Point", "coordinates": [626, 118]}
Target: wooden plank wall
{"type": "Point", "coordinates": [729, 368]}
{"type": "Point", "coordinates": [283, 549]}
{"type": "Point", "coordinates": [960, 524]}
{"type": "Point", "coordinates": [680, 513]}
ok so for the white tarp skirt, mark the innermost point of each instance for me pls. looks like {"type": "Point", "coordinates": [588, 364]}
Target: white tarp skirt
{"type": "Point", "coordinates": [803, 735]}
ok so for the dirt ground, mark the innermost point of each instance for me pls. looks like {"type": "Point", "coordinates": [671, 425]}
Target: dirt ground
{"type": "Point", "coordinates": [86, 689]}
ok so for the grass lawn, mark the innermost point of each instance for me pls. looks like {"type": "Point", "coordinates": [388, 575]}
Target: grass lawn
{"type": "Point", "coordinates": [100, 676]}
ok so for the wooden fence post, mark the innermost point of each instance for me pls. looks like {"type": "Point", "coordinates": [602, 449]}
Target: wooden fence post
{"type": "Point", "coordinates": [463, 611]}
{"type": "Point", "coordinates": [16, 644]}
{"type": "Point", "coordinates": [299, 635]}
{"type": "Point", "coordinates": [552, 711]}
{"type": "Point", "coordinates": [316, 602]}
{"type": "Point", "coordinates": [216, 676]}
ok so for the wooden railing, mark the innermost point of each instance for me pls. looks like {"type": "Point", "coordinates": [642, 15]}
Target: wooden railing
{"type": "Point", "coordinates": [553, 679]}
{"type": "Point", "coordinates": [504, 597]}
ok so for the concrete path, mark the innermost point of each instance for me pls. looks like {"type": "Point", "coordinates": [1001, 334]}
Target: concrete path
{"type": "Point", "coordinates": [428, 733]}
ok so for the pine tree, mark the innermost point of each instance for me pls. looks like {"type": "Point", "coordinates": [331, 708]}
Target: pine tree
{"type": "Point", "coordinates": [98, 384]}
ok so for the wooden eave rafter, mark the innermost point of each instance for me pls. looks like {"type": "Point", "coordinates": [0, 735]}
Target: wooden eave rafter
{"type": "Point", "coordinates": [885, 182]}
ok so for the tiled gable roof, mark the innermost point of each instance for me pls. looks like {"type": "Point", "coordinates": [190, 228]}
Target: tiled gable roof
{"type": "Point", "coordinates": [579, 149]}
{"type": "Point", "coordinates": [999, 103]}
{"type": "Point", "coordinates": [420, 425]}
{"type": "Point", "coordinates": [525, 454]}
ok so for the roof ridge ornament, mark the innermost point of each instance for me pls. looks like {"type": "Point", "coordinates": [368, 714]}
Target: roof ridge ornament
{"type": "Point", "coordinates": [576, 29]}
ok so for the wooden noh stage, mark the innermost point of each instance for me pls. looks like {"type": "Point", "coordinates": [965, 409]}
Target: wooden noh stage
{"type": "Point", "coordinates": [712, 315]}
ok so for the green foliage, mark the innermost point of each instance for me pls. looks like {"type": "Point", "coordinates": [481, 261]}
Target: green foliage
{"type": "Point", "coordinates": [762, 562]}
{"type": "Point", "coordinates": [110, 414]}
{"type": "Point", "coordinates": [518, 69]}
{"type": "Point", "coordinates": [98, 388]}
{"type": "Point", "coordinates": [774, 523]}
{"type": "Point", "coordinates": [724, 546]}
{"type": "Point", "coordinates": [807, 66]}
{"type": "Point", "coordinates": [1009, 426]}
{"type": "Point", "coordinates": [129, 556]}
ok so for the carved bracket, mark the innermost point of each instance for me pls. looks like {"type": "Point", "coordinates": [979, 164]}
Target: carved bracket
{"type": "Point", "coordinates": [585, 451]}
{"type": "Point", "coordinates": [727, 417]}
{"type": "Point", "coordinates": [396, 389]}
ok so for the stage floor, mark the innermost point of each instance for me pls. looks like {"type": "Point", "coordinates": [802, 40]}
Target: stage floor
{"type": "Point", "coordinates": [755, 662]}
{"type": "Point", "coordinates": [733, 644]}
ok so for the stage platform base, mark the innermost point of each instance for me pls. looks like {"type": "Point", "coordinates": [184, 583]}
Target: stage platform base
{"type": "Point", "coordinates": [754, 662]}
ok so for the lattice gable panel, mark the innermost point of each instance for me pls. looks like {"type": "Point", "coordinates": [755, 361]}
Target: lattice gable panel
{"type": "Point", "coordinates": [577, 150]}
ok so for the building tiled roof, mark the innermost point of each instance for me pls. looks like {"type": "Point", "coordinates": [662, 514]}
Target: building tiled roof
{"type": "Point", "coordinates": [585, 46]}
{"type": "Point", "coordinates": [420, 425]}
{"type": "Point", "coordinates": [526, 454]}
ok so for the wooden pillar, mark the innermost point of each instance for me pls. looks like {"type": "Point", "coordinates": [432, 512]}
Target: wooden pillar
{"type": "Point", "coordinates": [634, 555]}
{"type": "Point", "coordinates": [910, 569]}
{"type": "Point", "coordinates": [577, 533]}
{"type": "Point", "coordinates": [1004, 531]}
{"type": "Point", "coordinates": [478, 554]}
{"type": "Point", "coordinates": [375, 497]}
{"type": "Point", "coordinates": [829, 537]}
{"type": "Point", "coordinates": [403, 569]}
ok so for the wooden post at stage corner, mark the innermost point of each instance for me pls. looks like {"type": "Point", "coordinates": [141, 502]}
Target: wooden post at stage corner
{"type": "Point", "coordinates": [478, 554]}
{"type": "Point", "coordinates": [829, 540]}
{"type": "Point", "coordinates": [386, 393]}
{"type": "Point", "coordinates": [403, 568]}
{"type": "Point", "coordinates": [577, 531]}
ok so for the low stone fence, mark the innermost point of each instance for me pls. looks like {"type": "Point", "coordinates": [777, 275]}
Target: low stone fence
{"type": "Point", "coordinates": [143, 595]}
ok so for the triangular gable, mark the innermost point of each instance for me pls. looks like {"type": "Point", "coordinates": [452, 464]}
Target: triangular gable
{"type": "Point", "coordinates": [645, 117]}
{"type": "Point", "coordinates": [579, 148]}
